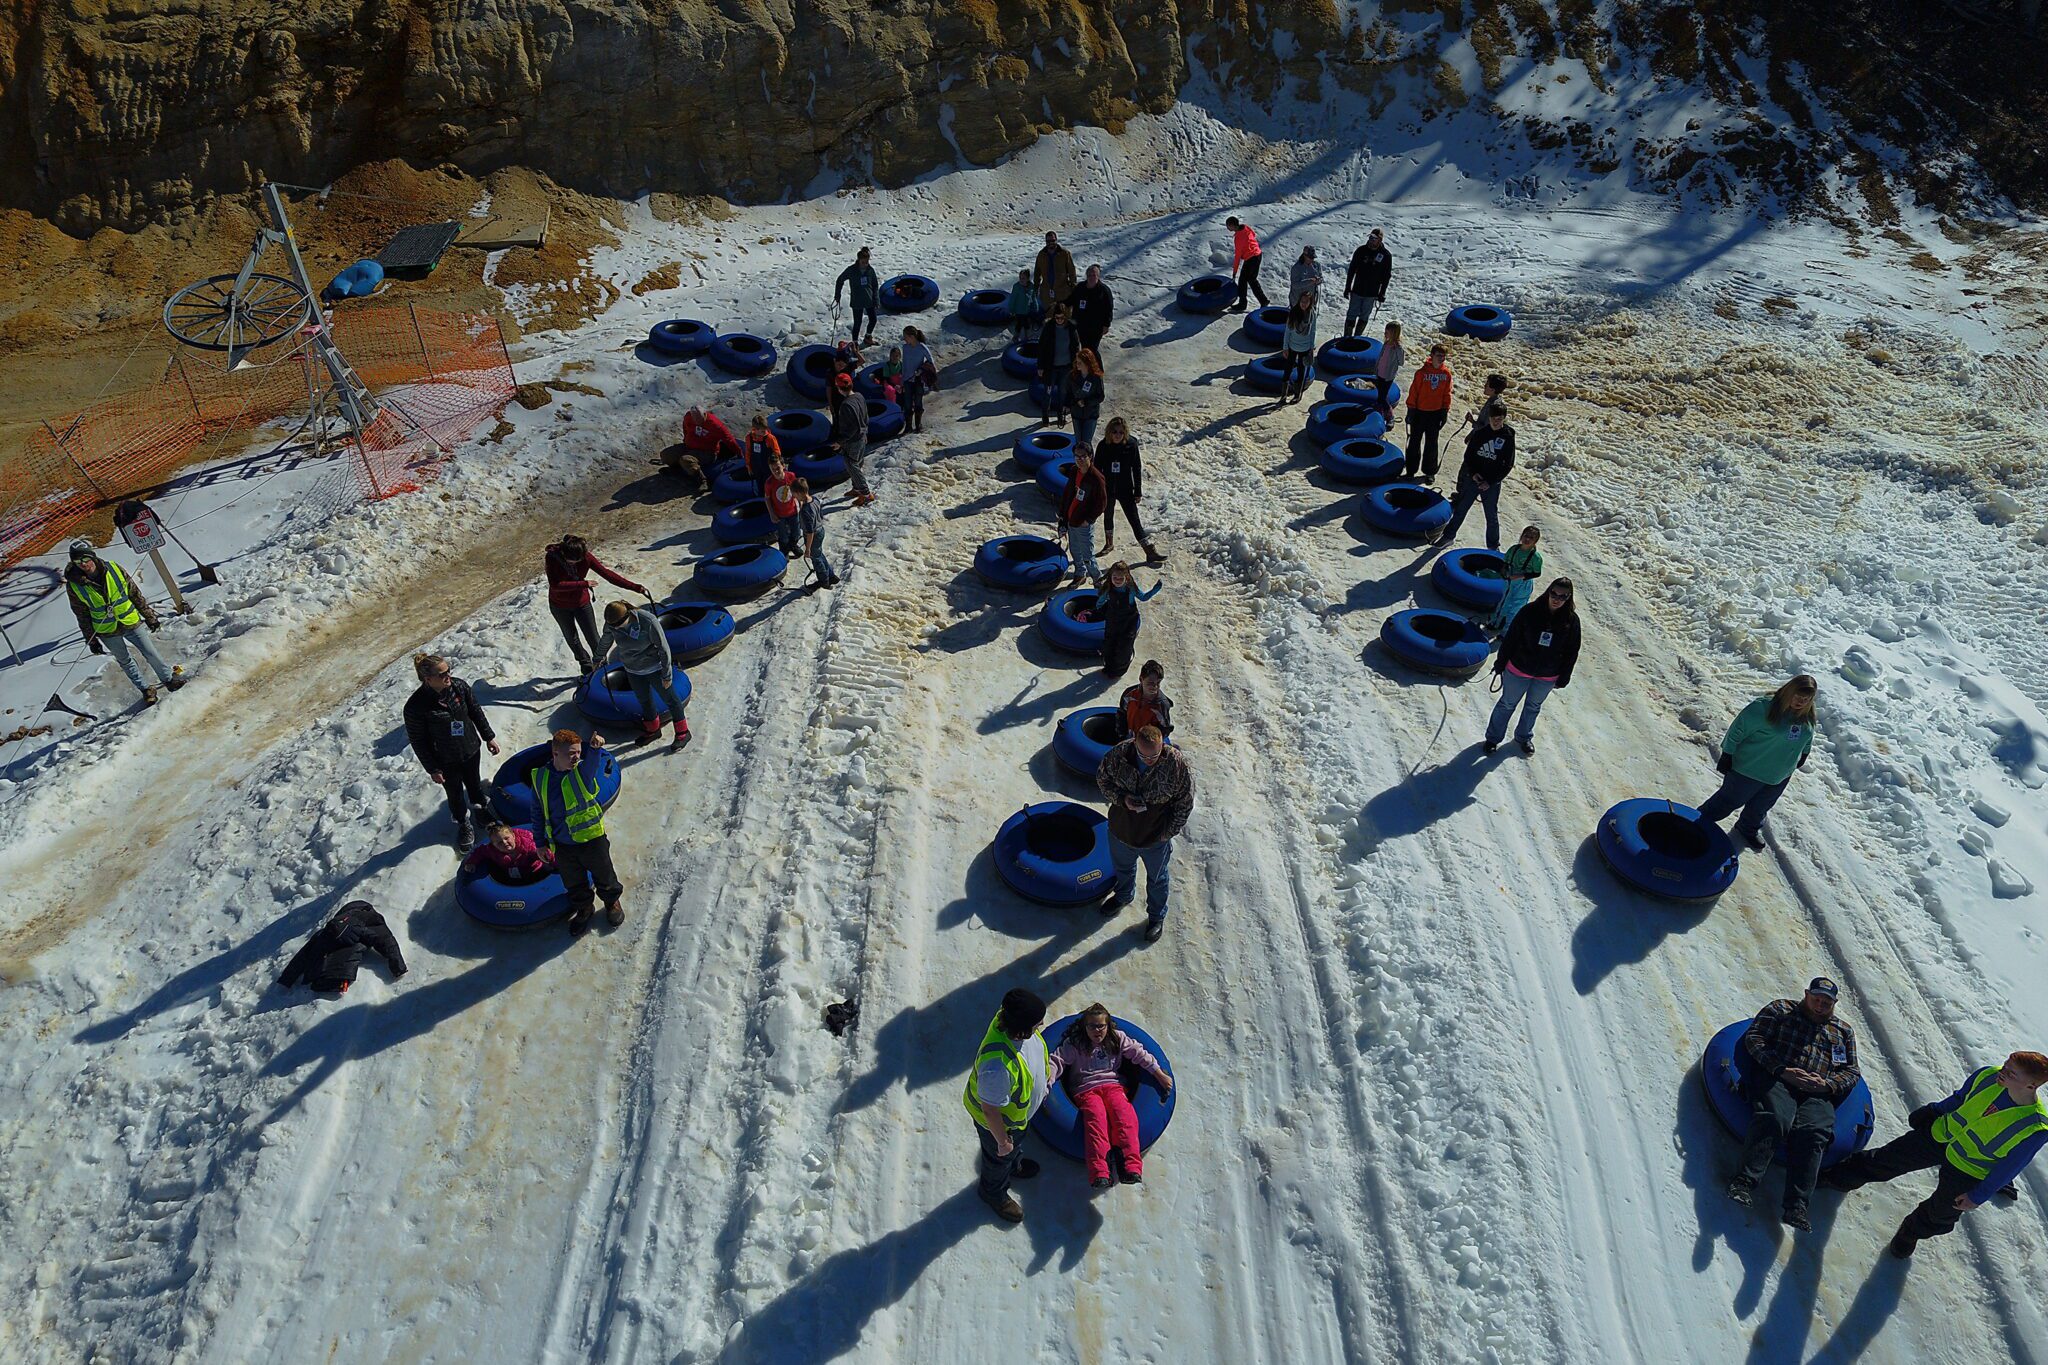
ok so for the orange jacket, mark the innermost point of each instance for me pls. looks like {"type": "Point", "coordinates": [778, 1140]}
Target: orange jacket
{"type": "Point", "coordinates": [761, 447]}
{"type": "Point", "coordinates": [1244, 244]}
{"type": "Point", "coordinates": [1430, 390]}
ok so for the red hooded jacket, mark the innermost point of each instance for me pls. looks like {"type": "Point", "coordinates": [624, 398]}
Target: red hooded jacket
{"type": "Point", "coordinates": [568, 584]}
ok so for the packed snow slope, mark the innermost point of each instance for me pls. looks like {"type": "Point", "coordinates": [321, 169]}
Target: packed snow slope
{"type": "Point", "coordinates": [1439, 1085]}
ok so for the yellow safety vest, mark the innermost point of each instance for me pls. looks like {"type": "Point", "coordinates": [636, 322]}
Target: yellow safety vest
{"type": "Point", "coordinates": [996, 1043]}
{"type": "Point", "coordinates": [582, 812]}
{"type": "Point", "coordinates": [1977, 1136]}
{"type": "Point", "coordinates": [110, 604]}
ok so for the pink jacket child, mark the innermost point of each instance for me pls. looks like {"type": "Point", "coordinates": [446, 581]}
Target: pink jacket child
{"type": "Point", "coordinates": [1092, 1056]}
{"type": "Point", "coordinates": [512, 856]}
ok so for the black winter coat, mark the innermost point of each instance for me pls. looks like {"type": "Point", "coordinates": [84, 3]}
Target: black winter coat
{"type": "Point", "coordinates": [1369, 273]}
{"type": "Point", "coordinates": [1049, 361]}
{"type": "Point", "coordinates": [445, 726]}
{"type": "Point", "coordinates": [1093, 307]}
{"type": "Point", "coordinates": [1121, 467]}
{"type": "Point", "coordinates": [1489, 454]}
{"type": "Point", "coordinates": [1541, 643]}
{"type": "Point", "coordinates": [1084, 393]}
{"type": "Point", "coordinates": [329, 959]}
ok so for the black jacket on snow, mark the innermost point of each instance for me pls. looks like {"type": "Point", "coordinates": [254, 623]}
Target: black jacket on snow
{"type": "Point", "coordinates": [1121, 468]}
{"type": "Point", "coordinates": [1092, 307]}
{"type": "Point", "coordinates": [329, 959]}
{"type": "Point", "coordinates": [1489, 454]}
{"type": "Point", "coordinates": [1541, 643]}
{"type": "Point", "coordinates": [1084, 393]}
{"type": "Point", "coordinates": [1049, 362]}
{"type": "Point", "coordinates": [1369, 273]}
{"type": "Point", "coordinates": [445, 725]}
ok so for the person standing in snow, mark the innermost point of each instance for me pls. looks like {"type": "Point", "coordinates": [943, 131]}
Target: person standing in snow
{"type": "Point", "coordinates": [572, 825]}
{"type": "Point", "coordinates": [1495, 397]}
{"type": "Point", "coordinates": [569, 564]}
{"type": "Point", "coordinates": [760, 451]}
{"type": "Point", "coordinates": [1980, 1138]}
{"type": "Point", "coordinates": [1429, 407]}
{"type": "Point", "coordinates": [330, 959]}
{"type": "Point", "coordinates": [1536, 658]}
{"type": "Point", "coordinates": [1245, 259]}
{"type": "Point", "coordinates": [1084, 395]}
{"type": "Point", "coordinates": [1520, 567]}
{"type": "Point", "coordinates": [1799, 1062]}
{"type": "Point", "coordinates": [1145, 703]}
{"type": "Point", "coordinates": [1298, 347]}
{"type": "Point", "coordinates": [1092, 1056]}
{"type": "Point", "coordinates": [1094, 306]}
{"type": "Point", "coordinates": [1768, 741]}
{"type": "Point", "coordinates": [1116, 606]}
{"type": "Point", "coordinates": [1124, 474]}
{"type": "Point", "coordinates": [1012, 1073]}
{"type": "Point", "coordinates": [112, 613]}
{"type": "Point", "coordinates": [1085, 498]}
{"type": "Point", "coordinates": [1023, 307]}
{"type": "Point", "coordinates": [1489, 456]}
{"type": "Point", "coordinates": [780, 494]}
{"type": "Point", "coordinates": [865, 287]}
{"type": "Point", "coordinates": [448, 732]}
{"type": "Point", "coordinates": [1052, 273]}
{"type": "Point", "coordinates": [1365, 284]}
{"type": "Point", "coordinates": [810, 521]}
{"type": "Point", "coordinates": [635, 636]}
{"type": "Point", "coordinates": [920, 376]}
{"type": "Point", "coordinates": [850, 437]}
{"type": "Point", "coordinates": [1387, 369]}
{"type": "Point", "coordinates": [1306, 277]}
{"type": "Point", "coordinates": [1151, 794]}
{"type": "Point", "coordinates": [1058, 344]}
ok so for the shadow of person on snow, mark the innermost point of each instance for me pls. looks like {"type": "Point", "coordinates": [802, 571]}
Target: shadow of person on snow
{"type": "Point", "coordinates": [1625, 925]}
{"type": "Point", "coordinates": [1424, 797]}
{"type": "Point", "coordinates": [649, 490]}
{"type": "Point", "coordinates": [1394, 588]}
{"type": "Point", "coordinates": [1877, 1298]}
{"type": "Point", "coordinates": [1031, 705]}
{"type": "Point", "coordinates": [1710, 1157]}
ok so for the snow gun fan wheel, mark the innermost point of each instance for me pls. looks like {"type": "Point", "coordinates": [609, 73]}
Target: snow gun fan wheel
{"type": "Point", "coordinates": [695, 630]}
{"type": "Point", "coordinates": [810, 371]}
{"type": "Point", "coordinates": [1480, 321]}
{"type": "Point", "coordinates": [1363, 460]}
{"type": "Point", "coordinates": [1471, 577]}
{"type": "Point", "coordinates": [489, 899]}
{"type": "Point", "coordinates": [743, 523]}
{"type": "Point", "coordinates": [1436, 642]}
{"type": "Point", "coordinates": [909, 293]}
{"type": "Point", "coordinates": [1207, 294]}
{"type": "Point", "coordinates": [1062, 631]}
{"type": "Point", "coordinates": [512, 794]}
{"type": "Point", "coordinates": [1266, 326]}
{"type": "Point", "coordinates": [681, 336]}
{"type": "Point", "coordinates": [740, 573]}
{"type": "Point", "coordinates": [1055, 853]}
{"type": "Point", "coordinates": [1021, 563]}
{"type": "Point", "coordinates": [1666, 849]}
{"type": "Point", "coordinates": [985, 307]}
{"type": "Point", "coordinates": [1406, 509]}
{"type": "Point", "coordinates": [1726, 1066]}
{"type": "Point", "coordinates": [743, 354]}
{"type": "Point", "coordinates": [607, 698]}
{"type": "Point", "coordinates": [799, 431]}
{"type": "Point", "coordinates": [1040, 448]}
{"type": "Point", "coordinates": [1058, 1122]}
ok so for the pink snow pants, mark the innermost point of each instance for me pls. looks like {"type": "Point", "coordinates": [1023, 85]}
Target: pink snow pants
{"type": "Point", "coordinates": [1107, 1120]}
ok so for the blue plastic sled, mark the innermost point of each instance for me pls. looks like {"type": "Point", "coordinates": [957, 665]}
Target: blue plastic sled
{"type": "Point", "coordinates": [1344, 420]}
{"type": "Point", "coordinates": [1266, 326]}
{"type": "Point", "coordinates": [985, 307]}
{"type": "Point", "coordinates": [799, 431]}
{"type": "Point", "coordinates": [743, 353]}
{"type": "Point", "coordinates": [1348, 355]}
{"type": "Point", "coordinates": [739, 573]}
{"type": "Point", "coordinates": [1363, 459]}
{"type": "Point", "coordinates": [909, 293]}
{"type": "Point", "coordinates": [1406, 509]}
{"type": "Point", "coordinates": [1062, 631]}
{"type": "Point", "coordinates": [1038, 449]}
{"type": "Point", "coordinates": [681, 336]}
{"type": "Point", "coordinates": [1480, 321]}
{"type": "Point", "coordinates": [1207, 294]}
{"type": "Point", "coordinates": [695, 630]}
{"type": "Point", "coordinates": [810, 371]}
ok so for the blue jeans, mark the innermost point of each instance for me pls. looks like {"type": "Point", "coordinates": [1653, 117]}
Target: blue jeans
{"type": "Point", "coordinates": [1516, 690]}
{"type": "Point", "coordinates": [1461, 503]}
{"type": "Point", "coordinates": [1084, 427]}
{"type": "Point", "coordinates": [1081, 549]}
{"type": "Point", "coordinates": [1756, 799]}
{"type": "Point", "coordinates": [126, 644]}
{"type": "Point", "coordinates": [822, 565]}
{"type": "Point", "coordinates": [1158, 881]}
{"type": "Point", "coordinates": [646, 687]}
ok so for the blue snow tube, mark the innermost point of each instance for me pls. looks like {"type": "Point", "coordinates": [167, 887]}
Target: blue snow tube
{"type": "Point", "coordinates": [358, 281]}
{"type": "Point", "coordinates": [739, 573]}
{"type": "Point", "coordinates": [1058, 1122]}
{"type": "Point", "coordinates": [1726, 1065]}
{"type": "Point", "coordinates": [1266, 373]}
{"type": "Point", "coordinates": [1266, 326]}
{"type": "Point", "coordinates": [1471, 577]}
{"type": "Point", "coordinates": [1667, 849]}
{"type": "Point", "coordinates": [986, 307]}
{"type": "Point", "coordinates": [1331, 422]}
{"type": "Point", "coordinates": [1436, 641]}
{"type": "Point", "coordinates": [681, 336]}
{"type": "Point", "coordinates": [1406, 509]}
{"type": "Point", "coordinates": [1083, 738]}
{"type": "Point", "coordinates": [867, 381]}
{"type": "Point", "coordinates": [743, 353]}
{"type": "Point", "coordinates": [695, 630]}
{"type": "Point", "coordinates": [1021, 563]}
{"type": "Point", "coordinates": [1056, 853]}
{"type": "Point", "coordinates": [909, 293]}
{"type": "Point", "coordinates": [810, 371]}
{"type": "Point", "coordinates": [1053, 475]}
{"type": "Point", "coordinates": [1349, 355]}
{"type": "Point", "coordinates": [1360, 388]}
{"type": "Point", "coordinates": [743, 523]}
{"type": "Point", "coordinates": [1480, 321]}
{"type": "Point", "coordinates": [607, 698]}
{"type": "Point", "coordinates": [1363, 459]}
{"type": "Point", "coordinates": [799, 431]}
{"type": "Point", "coordinates": [1062, 631]}
{"type": "Point", "coordinates": [820, 469]}
{"type": "Point", "coordinates": [1207, 294]}
{"type": "Point", "coordinates": [512, 794]}
{"type": "Point", "coordinates": [1041, 394]}
{"type": "Point", "coordinates": [885, 419]}
{"type": "Point", "coordinates": [1020, 359]}
{"type": "Point", "coordinates": [1040, 448]}
{"type": "Point", "coordinates": [731, 483]}
{"type": "Point", "coordinates": [487, 899]}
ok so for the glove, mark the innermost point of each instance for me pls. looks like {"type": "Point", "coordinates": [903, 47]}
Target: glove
{"type": "Point", "coordinates": [1724, 764]}
{"type": "Point", "coordinates": [95, 645]}
{"type": "Point", "coordinates": [152, 623]}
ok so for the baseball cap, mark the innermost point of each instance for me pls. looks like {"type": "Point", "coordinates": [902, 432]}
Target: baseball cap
{"type": "Point", "coordinates": [83, 549]}
{"type": "Point", "coordinates": [842, 381]}
{"type": "Point", "coordinates": [1822, 985]}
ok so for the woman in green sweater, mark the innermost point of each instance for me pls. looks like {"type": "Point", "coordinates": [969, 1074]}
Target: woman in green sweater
{"type": "Point", "coordinates": [1771, 737]}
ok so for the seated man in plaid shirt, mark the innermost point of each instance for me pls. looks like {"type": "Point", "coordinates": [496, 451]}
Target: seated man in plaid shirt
{"type": "Point", "coordinates": [1800, 1063]}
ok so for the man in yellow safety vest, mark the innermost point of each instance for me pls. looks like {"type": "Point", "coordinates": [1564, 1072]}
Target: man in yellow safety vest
{"type": "Point", "coordinates": [572, 824]}
{"type": "Point", "coordinates": [1981, 1137]}
{"type": "Point", "coordinates": [111, 611]}
{"type": "Point", "coordinates": [1012, 1071]}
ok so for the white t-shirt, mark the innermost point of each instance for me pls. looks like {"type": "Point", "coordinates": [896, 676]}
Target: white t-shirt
{"type": "Point", "coordinates": [992, 1081]}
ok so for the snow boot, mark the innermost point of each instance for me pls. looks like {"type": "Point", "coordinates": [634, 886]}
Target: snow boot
{"type": "Point", "coordinates": [1902, 1246]}
{"type": "Point", "coordinates": [580, 922]}
{"type": "Point", "coordinates": [1490, 746]}
{"type": "Point", "coordinates": [1740, 1189]}
{"type": "Point", "coordinates": [1528, 746]}
{"type": "Point", "coordinates": [175, 683]}
{"type": "Point", "coordinates": [1122, 1165]}
{"type": "Point", "coordinates": [1754, 840]}
{"type": "Point", "coordinates": [682, 737]}
{"type": "Point", "coordinates": [149, 696]}
{"type": "Point", "coordinates": [1113, 904]}
{"type": "Point", "coordinates": [614, 914]}
{"type": "Point", "coordinates": [1153, 929]}
{"type": "Point", "coordinates": [1152, 555]}
{"type": "Point", "coordinates": [1795, 1218]}
{"type": "Point", "coordinates": [1100, 1182]}
{"type": "Point", "coordinates": [465, 837]}
{"type": "Point", "coordinates": [1010, 1211]}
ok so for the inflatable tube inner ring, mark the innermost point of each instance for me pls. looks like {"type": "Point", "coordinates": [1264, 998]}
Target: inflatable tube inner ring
{"type": "Point", "coordinates": [738, 555]}
{"type": "Point", "coordinates": [1073, 606]}
{"type": "Point", "coordinates": [1101, 729]}
{"type": "Point", "coordinates": [1206, 284]}
{"type": "Point", "coordinates": [743, 345]}
{"type": "Point", "coordinates": [1346, 415]}
{"type": "Point", "coordinates": [988, 298]}
{"type": "Point", "coordinates": [681, 618]}
{"type": "Point", "coordinates": [1022, 551]}
{"type": "Point", "coordinates": [783, 423]}
{"type": "Point", "coordinates": [1061, 837]}
{"type": "Point", "coordinates": [1481, 313]}
{"type": "Point", "coordinates": [1672, 836]}
{"type": "Point", "coordinates": [1351, 345]}
{"type": "Point", "coordinates": [1411, 499]}
{"type": "Point", "coordinates": [1442, 628]}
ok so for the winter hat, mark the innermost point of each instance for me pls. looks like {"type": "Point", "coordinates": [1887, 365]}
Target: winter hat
{"type": "Point", "coordinates": [82, 549]}
{"type": "Point", "coordinates": [1822, 985]}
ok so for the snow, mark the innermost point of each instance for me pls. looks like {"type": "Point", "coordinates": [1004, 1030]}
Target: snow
{"type": "Point", "coordinates": [1439, 1094]}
